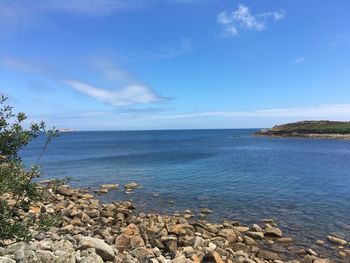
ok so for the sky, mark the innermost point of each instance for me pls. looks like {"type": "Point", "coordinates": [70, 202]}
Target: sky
{"type": "Point", "coordinates": [175, 64]}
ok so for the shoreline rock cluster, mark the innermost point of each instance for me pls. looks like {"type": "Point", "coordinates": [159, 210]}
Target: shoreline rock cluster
{"type": "Point", "coordinates": [94, 232]}
{"type": "Point", "coordinates": [345, 137]}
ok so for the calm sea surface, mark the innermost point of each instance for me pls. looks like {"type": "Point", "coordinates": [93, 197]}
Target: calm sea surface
{"type": "Point", "coordinates": [304, 184]}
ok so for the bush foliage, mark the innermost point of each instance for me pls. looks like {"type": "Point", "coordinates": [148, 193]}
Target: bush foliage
{"type": "Point", "coordinates": [17, 189]}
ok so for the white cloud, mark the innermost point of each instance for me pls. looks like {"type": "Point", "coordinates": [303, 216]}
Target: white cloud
{"type": "Point", "coordinates": [319, 112]}
{"type": "Point", "coordinates": [299, 60]}
{"type": "Point", "coordinates": [242, 18]}
{"type": "Point", "coordinates": [130, 91]}
{"type": "Point", "coordinates": [125, 96]}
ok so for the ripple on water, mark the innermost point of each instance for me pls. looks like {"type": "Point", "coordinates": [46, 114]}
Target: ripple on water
{"type": "Point", "coordinates": [303, 184]}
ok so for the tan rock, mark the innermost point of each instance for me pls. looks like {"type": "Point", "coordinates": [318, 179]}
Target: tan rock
{"type": "Point", "coordinates": [136, 241]}
{"type": "Point", "coordinates": [267, 255]}
{"type": "Point", "coordinates": [319, 242]}
{"type": "Point", "coordinates": [102, 249]}
{"type": "Point", "coordinates": [307, 259]}
{"type": "Point", "coordinates": [228, 234]}
{"type": "Point", "coordinates": [141, 253]}
{"type": "Point", "coordinates": [342, 254]}
{"type": "Point", "coordinates": [257, 228]}
{"type": "Point", "coordinates": [180, 229]}
{"type": "Point", "coordinates": [336, 240]}
{"type": "Point", "coordinates": [249, 241]}
{"type": "Point", "coordinates": [131, 186]}
{"type": "Point", "coordinates": [206, 211]}
{"type": "Point", "coordinates": [272, 231]}
{"type": "Point", "coordinates": [284, 239]}
{"type": "Point", "coordinates": [66, 191]}
{"type": "Point", "coordinates": [122, 242]}
{"type": "Point", "coordinates": [311, 252]}
{"type": "Point", "coordinates": [256, 235]}
{"type": "Point", "coordinates": [101, 191]}
{"type": "Point", "coordinates": [241, 228]}
{"type": "Point", "coordinates": [105, 213]}
{"type": "Point", "coordinates": [87, 196]}
{"type": "Point", "coordinates": [170, 244]}
{"type": "Point", "coordinates": [131, 230]}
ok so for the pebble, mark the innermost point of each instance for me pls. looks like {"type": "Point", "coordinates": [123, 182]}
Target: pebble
{"type": "Point", "coordinates": [311, 252]}
{"type": "Point", "coordinates": [320, 242]}
{"type": "Point", "coordinates": [94, 232]}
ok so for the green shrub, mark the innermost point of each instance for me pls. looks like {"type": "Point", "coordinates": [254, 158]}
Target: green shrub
{"type": "Point", "coordinates": [17, 189]}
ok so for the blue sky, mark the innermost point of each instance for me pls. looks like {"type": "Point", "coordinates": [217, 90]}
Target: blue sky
{"type": "Point", "coordinates": [165, 64]}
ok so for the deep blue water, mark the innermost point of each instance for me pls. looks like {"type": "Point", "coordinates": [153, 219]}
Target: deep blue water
{"type": "Point", "coordinates": [304, 184]}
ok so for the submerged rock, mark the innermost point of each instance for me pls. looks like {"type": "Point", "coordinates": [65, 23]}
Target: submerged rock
{"type": "Point", "coordinates": [131, 186]}
{"type": "Point", "coordinates": [336, 240]}
{"type": "Point", "coordinates": [94, 232]}
{"type": "Point", "coordinates": [267, 255]}
{"type": "Point", "coordinates": [102, 191]}
{"type": "Point", "coordinates": [206, 211]}
{"type": "Point", "coordinates": [110, 186]}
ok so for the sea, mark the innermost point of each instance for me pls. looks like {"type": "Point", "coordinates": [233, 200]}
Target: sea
{"type": "Point", "coordinates": [303, 184]}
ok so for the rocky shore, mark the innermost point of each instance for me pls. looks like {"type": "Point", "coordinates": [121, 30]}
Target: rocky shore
{"type": "Point", "coordinates": [90, 231]}
{"type": "Point", "coordinates": [345, 137]}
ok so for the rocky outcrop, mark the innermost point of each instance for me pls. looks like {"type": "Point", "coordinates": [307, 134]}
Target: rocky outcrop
{"type": "Point", "coordinates": [310, 129]}
{"type": "Point", "coordinates": [91, 231]}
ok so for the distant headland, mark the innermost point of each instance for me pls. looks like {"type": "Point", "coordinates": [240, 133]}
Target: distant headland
{"type": "Point", "coordinates": [323, 129]}
{"type": "Point", "coordinates": [66, 130]}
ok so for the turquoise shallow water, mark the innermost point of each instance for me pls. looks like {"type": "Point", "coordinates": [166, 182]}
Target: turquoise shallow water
{"type": "Point", "coordinates": [304, 184]}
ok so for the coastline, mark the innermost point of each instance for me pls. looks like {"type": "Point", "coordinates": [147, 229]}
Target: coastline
{"type": "Point", "coordinates": [91, 231]}
{"type": "Point", "coordinates": [344, 137]}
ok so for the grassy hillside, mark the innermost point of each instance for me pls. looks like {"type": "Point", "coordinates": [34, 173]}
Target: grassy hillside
{"type": "Point", "coordinates": [309, 127]}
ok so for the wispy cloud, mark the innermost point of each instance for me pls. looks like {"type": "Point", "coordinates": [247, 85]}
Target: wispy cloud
{"type": "Point", "coordinates": [17, 12]}
{"type": "Point", "coordinates": [171, 50]}
{"type": "Point", "coordinates": [104, 65]}
{"type": "Point", "coordinates": [299, 60]}
{"type": "Point", "coordinates": [12, 9]}
{"type": "Point", "coordinates": [340, 40]}
{"type": "Point", "coordinates": [39, 86]}
{"type": "Point", "coordinates": [21, 65]}
{"type": "Point", "coordinates": [125, 96]}
{"type": "Point", "coordinates": [321, 111]}
{"type": "Point", "coordinates": [151, 119]}
{"type": "Point", "coordinates": [242, 18]}
{"type": "Point", "coordinates": [131, 91]}
{"type": "Point", "coordinates": [190, 1]}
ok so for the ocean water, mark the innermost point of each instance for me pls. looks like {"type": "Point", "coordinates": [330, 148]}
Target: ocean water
{"type": "Point", "coordinates": [304, 184]}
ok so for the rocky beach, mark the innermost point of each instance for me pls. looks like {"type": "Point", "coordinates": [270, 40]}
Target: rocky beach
{"type": "Point", "coordinates": [90, 231]}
